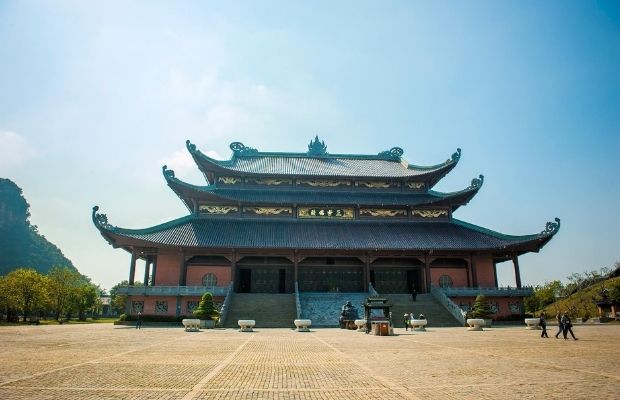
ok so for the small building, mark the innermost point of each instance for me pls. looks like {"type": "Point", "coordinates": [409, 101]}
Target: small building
{"type": "Point", "coordinates": [268, 222]}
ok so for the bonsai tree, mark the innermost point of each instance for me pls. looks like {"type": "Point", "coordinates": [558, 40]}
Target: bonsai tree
{"type": "Point", "coordinates": [481, 308]}
{"type": "Point", "coordinates": [206, 309]}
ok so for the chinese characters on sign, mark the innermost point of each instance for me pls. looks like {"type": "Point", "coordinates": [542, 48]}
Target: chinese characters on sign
{"type": "Point", "coordinates": [319, 212]}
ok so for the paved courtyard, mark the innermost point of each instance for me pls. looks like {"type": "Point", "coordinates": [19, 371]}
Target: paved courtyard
{"type": "Point", "coordinates": [101, 361]}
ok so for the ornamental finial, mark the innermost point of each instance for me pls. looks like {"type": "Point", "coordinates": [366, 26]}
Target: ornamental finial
{"type": "Point", "coordinates": [551, 228]}
{"type": "Point", "coordinates": [476, 183]}
{"type": "Point", "coordinates": [395, 153]}
{"type": "Point", "coordinates": [239, 149]}
{"type": "Point", "coordinates": [100, 220]}
{"type": "Point", "coordinates": [168, 173]}
{"type": "Point", "coordinates": [190, 146]}
{"type": "Point", "coordinates": [456, 156]}
{"type": "Point", "coordinates": [317, 147]}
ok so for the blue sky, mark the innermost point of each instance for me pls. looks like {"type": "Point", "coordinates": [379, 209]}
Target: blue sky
{"type": "Point", "coordinates": [95, 98]}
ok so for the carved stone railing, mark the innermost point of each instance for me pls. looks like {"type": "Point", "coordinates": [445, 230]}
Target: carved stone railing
{"type": "Point", "coordinates": [226, 305]}
{"type": "Point", "coordinates": [219, 291]}
{"type": "Point", "coordinates": [488, 292]}
{"type": "Point", "coordinates": [451, 306]}
{"type": "Point", "coordinates": [297, 302]}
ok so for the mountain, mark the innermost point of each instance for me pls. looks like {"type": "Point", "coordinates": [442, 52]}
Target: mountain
{"type": "Point", "coordinates": [21, 245]}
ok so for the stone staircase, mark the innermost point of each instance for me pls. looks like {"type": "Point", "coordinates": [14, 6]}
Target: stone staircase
{"type": "Point", "coordinates": [267, 309]}
{"type": "Point", "coordinates": [426, 304]}
{"type": "Point", "coordinates": [324, 308]}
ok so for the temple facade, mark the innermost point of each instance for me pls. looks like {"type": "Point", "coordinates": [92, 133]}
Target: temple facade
{"type": "Point", "coordinates": [314, 222]}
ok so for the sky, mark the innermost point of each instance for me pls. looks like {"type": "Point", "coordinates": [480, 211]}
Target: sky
{"type": "Point", "coordinates": [96, 96]}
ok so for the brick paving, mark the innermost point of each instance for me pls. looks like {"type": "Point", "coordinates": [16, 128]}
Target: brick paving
{"type": "Point", "coordinates": [101, 361]}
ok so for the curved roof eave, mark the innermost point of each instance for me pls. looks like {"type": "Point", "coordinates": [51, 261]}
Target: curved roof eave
{"type": "Point", "coordinates": [209, 165]}
{"type": "Point", "coordinates": [537, 240]}
{"type": "Point", "coordinates": [196, 232]}
{"type": "Point", "coordinates": [460, 197]}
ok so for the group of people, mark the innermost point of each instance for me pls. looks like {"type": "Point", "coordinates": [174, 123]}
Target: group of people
{"type": "Point", "coordinates": [408, 317]}
{"type": "Point", "coordinates": [565, 326]}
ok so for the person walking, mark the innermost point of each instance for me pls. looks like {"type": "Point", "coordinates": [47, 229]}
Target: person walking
{"type": "Point", "coordinates": [139, 321]}
{"type": "Point", "coordinates": [568, 326]}
{"type": "Point", "coordinates": [558, 317]}
{"type": "Point", "coordinates": [406, 321]}
{"type": "Point", "coordinates": [543, 325]}
{"type": "Point", "coordinates": [414, 294]}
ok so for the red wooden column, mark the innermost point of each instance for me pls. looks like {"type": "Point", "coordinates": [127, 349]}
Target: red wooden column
{"type": "Point", "coordinates": [427, 273]}
{"type": "Point", "coordinates": [132, 268]}
{"type": "Point", "coordinates": [296, 267]}
{"type": "Point", "coordinates": [474, 273]}
{"type": "Point", "coordinates": [147, 269]}
{"type": "Point", "coordinates": [233, 269]}
{"type": "Point", "coordinates": [367, 273]}
{"type": "Point", "coordinates": [515, 262]}
{"type": "Point", "coordinates": [154, 270]}
{"type": "Point", "coordinates": [182, 268]}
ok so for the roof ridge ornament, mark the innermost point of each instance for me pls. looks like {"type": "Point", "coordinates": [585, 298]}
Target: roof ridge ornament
{"type": "Point", "coordinates": [395, 153]}
{"type": "Point", "coordinates": [190, 146]}
{"type": "Point", "coordinates": [168, 173]}
{"type": "Point", "coordinates": [455, 156]}
{"type": "Point", "coordinates": [476, 183]}
{"type": "Point", "coordinates": [101, 220]}
{"type": "Point", "coordinates": [551, 228]}
{"type": "Point", "coordinates": [239, 149]}
{"type": "Point", "coordinates": [317, 147]}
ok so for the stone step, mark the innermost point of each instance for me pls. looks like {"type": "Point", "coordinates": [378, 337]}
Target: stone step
{"type": "Point", "coordinates": [324, 308]}
{"type": "Point", "coordinates": [426, 304]}
{"type": "Point", "coordinates": [267, 309]}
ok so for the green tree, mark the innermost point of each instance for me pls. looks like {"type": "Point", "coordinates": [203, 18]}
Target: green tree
{"type": "Point", "coordinates": [83, 298]}
{"type": "Point", "coordinates": [62, 281]}
{"type": "Point", "coordinates": [614, 291]}
{"type": "Point", "coordinates": [117, 300]}
{"type": "Point", "coordinates": [206, 309]}
{"type": "Point", "coordinates": [26, 291]}
{"type": "Point", "coordinates": [481, 308]}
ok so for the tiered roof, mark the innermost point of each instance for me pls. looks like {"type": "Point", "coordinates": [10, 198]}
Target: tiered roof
{"type": "Point", "coordinates": [194, 231]}
{"type": "Point", "coordinates": [247, 161]}
{"type": "Point", "coordinates": [383, 185]}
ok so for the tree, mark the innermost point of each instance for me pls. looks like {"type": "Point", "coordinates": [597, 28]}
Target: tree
{"type": "Point", "coordinates": [26, 290]}
{"type": "Point", "coordinates": [62, 281]}
{"type": "Point", "coordinates": [614, 291]}
{"type": "Point", "coordinates": [481, 308]}
{"type": "Point", "coordinates": [118, 301]}
{"type": "Point", "coordinates": [83, 298]}
{"type": "Point", "coordinates": [206, 309]}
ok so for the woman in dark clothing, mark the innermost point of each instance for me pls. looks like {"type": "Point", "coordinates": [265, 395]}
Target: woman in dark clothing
{"type": "Point", "coordinates": [543, 325]}
{"type": "Point", "coordinates": [568, 326]}
{"type": "Point", "coordinates": [558, 316]}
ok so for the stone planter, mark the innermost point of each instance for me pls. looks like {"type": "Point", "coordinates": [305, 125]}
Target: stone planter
{"type": "Point", "coordinates": [532, 323]}
{"type": "Point", "coordinates": [303, 325]}
{"type": "Point", "coordinates": [475, 324]}
{"type": "Point", "coordinates": [419, 324]}
{"type": "Point", "coordinates": [191, 324]}
{"type": "Point", "coordinates": [207, 323]}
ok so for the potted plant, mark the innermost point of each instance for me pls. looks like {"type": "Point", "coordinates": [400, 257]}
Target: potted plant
{"type": "Point", "coordinates": [206, 311]}
{"type": "Point", "coordinates": [481, 310]}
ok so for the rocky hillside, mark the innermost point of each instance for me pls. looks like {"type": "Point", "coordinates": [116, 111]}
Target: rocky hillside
{"type": "Point", "coordinates": [21, 245]}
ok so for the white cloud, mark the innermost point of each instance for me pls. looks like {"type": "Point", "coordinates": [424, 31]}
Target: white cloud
{"type": "Point", "coordinates": [14, 149]}
{"type": "Point", "coordinates": [184, 167]}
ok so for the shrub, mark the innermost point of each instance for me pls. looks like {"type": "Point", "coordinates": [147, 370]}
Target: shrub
{"type": "Point", "coordinates": [481, 308]}
{"type": "Point", "coordinates": [123, 317]}
{"type": "Point", "coordinates": [206, 309]}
